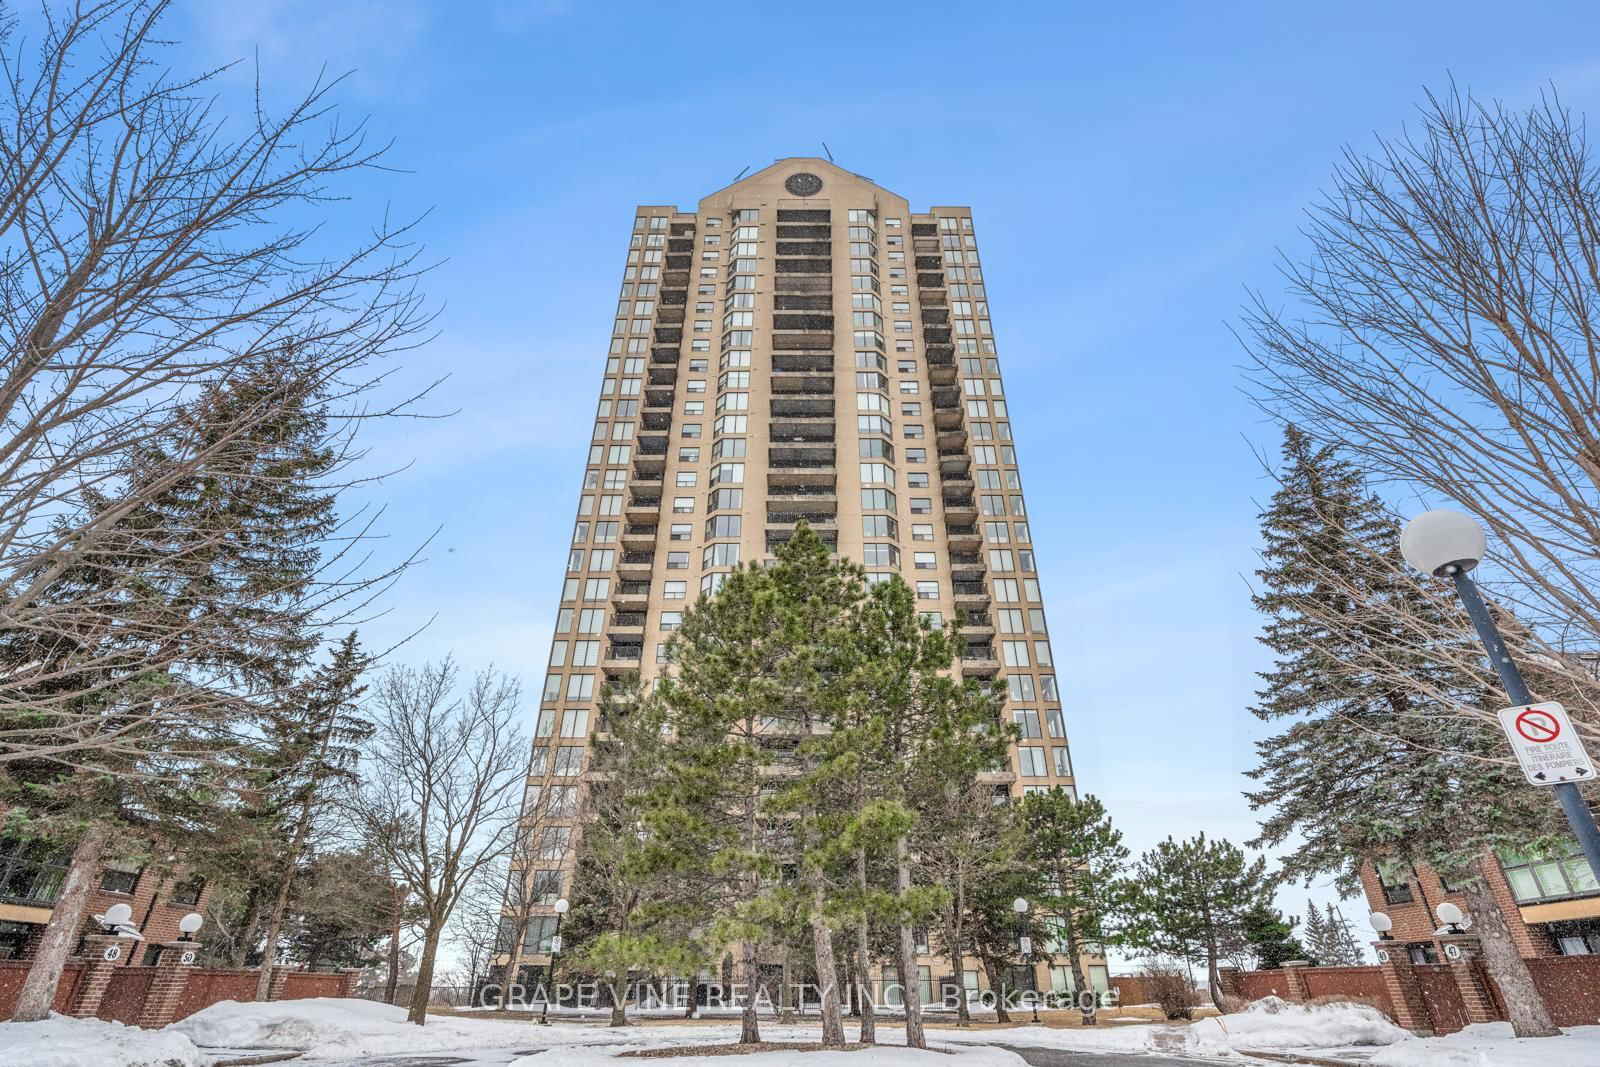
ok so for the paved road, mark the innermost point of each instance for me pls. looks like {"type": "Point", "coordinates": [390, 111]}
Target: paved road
{"type": "Point", "coordinates": [1055, 1057]}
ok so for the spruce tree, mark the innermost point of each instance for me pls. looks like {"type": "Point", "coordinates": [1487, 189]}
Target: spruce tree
{"type": "Point", "coordinates": [1360, 769]}
{"type": "Point", "coordinates": [1317, 941]}
{"type": "Point", "coordinates": [225, 529]}
{"type": "Point", "coordinates": [1269, 935]}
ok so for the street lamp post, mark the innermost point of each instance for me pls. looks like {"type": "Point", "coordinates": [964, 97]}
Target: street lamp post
{"type": "Point", "coordinates": [1025, 946]}
{"type": "Point", "coordinates": [1448, 544]}
{"type": "Point", "coordinates": [550, 968]}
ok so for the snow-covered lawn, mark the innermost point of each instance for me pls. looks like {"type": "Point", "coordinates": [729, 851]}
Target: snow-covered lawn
{"type": "Point", "coordinates": [60, 1041]}
{"type": "Point", "coordinates": [879, 1057]}
{"type": "Point", "coordinates": [332, 1028]}
{"type": "Point", "coordinates": [1491, 1045]}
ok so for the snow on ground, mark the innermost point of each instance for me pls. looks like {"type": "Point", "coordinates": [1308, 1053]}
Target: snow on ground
{"type": "Point", "coordinates": [1491, 1045]}
{"type": "Point", "coordinates": [61, 1041]}
{"type": "Point", "coordinates": [1271, 1023]}
{"type": "Point", "coordinates": [333, 1028]}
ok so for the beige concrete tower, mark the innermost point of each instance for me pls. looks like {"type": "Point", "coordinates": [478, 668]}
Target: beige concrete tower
{"type": "Point", "coordinates": [801, 345]}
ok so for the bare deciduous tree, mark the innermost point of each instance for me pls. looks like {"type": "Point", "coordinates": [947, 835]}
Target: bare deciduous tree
{"type": "Point", "coordinates": [1447, 335]}
{"type": "Point", "coordinates": [150, 253]}
{"type": "Point", "coordinates": [443, 783]}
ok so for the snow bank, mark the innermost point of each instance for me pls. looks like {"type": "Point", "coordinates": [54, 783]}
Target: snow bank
{"type": "Point", "coordinates": [329, 1028]}
{"type": "Point", "coordinates": [60, 1041]}
{"type": "Point", "coordinates": [1272, 1023]}
{"type": "Point", "coordinates": [1491, 1045]}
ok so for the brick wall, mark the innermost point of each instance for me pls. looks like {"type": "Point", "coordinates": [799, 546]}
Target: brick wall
{"type": "Point", "coordinates": [1415, 920]}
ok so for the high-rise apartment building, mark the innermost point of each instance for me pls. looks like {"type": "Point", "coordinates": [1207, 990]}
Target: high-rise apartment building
{"type": "Point", "coordinates": [801, 345]}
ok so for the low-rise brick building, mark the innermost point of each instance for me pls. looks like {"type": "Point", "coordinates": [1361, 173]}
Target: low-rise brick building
{"type": "Point", "coordinates": [30, 880]}
{"type": "Point", "coordinates": [1551, 904]}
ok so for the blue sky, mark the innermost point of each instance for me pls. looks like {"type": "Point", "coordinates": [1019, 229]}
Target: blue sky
{"type": "Point", "coordinates": [1179, 145]}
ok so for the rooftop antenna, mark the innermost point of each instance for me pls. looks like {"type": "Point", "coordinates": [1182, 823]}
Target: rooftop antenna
{"type": "Point", "coordinates": [825, 149]}
{"type": "Point", "coordinates": [741, 174]}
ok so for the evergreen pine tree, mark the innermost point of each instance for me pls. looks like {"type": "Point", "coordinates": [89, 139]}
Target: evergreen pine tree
{"type": "Point", "coordinates": [1363, 770]}
{"type": "Point", "coordinates": [1269, 936]}
{"type": "Point", "coordinates": [1197, 901]}
{"type": "Point", "coordinates": [1082, 856]}
{"type": "Point", "coordinates": [1317, 941]}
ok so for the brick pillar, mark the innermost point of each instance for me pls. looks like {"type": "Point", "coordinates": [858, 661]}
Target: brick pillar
{"type": "Point", "coordinates": [1295, 980]}
{"type": "Point", "coordinates": [280, 975]}
{"type": "Point", "coordinates": [1228, 981]}
{"type": "Point", "coordinates": [348, 979]}
{"type": "Point", "coordinates": [1410, 1012]}
{"type": "Point", "coordinates": [102, 955]}
{"type": "Point", "coordinates": [166, 987]}
{"type": "Point", "coordinates": [1460, 951]}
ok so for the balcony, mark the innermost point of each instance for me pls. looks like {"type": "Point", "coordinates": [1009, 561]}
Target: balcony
{"type": "Point", "coordinates": [674, 297]}
{"type": "Point", "coordinates": [960, 508]}
{"type": "Point", "coordinates": [623, 656]}
{"type": "Point", "coordinates": [642, 507]}
{"type": "Point", "coordinates": [928, 263]}
{"type": "Point", "coordinates": [679, 262]}
{"type": "Point", "coordinates": [806, 214]}
{"type": "Point", "coordinates": [801, 384]}
{"type": "Point", "coordinates": [654, 444]}
{"type": "Point", "coordinates": [957, 484]}
{"type": "Point", "coordinates": [790, 481]}
{"type": "Point", "coordinates": [627, 622]}
{"type": "Point", "coordinates": [963, 536]}
{"type": "Point", "coordinates": [979, 661]}
{"type": "Point", "coordinates": [783, 362]}
{"type": "Point", "coordinates": [788, 498]}
{"type": "Point", "coordinates": [664, 355]}
{"type": "Point", "coordinates": [806, 430]}
{"type": "Point", "coordinates": [930, 281]}
{"type": "Point", "coordinates": [947, 399]}
{"type": "Point", "coordinates": [804, 233]}
{"type": "Point", "coordinates": [942, 373]}
{"type": "Point", "coordinates": [660, 399]}
{"type": "Point", "coordinates": [805, 248]}
{"type": "Point", "coordinates": [630, 596]}
{"type": "Point", "coordinates": [802, 406]}
{"type": "Point", "coordinates": [977, 622]}
{"type": "Point", "coordinates": [649, 469]}
{"type": "Point", "coordinates": [669, 316]}
{"type": "Point", "coordinates": [971, 593]}
{"type": "Point", "coordinates": [934, 316]}
{"type": "Point", "coordinates": [952, 439]}
{"type": "Point", "coordinates": [947, 419]}
{"type": "Point", "coordinates": [669, 336]}
{"type": "Point", "coordinates": [781, 533]}
{"type": "Point", "coordinates": [803, 266]}
{"type": "Point", "coordinates": [954, 463]}
{"type": "Point", "coordinates": [813, 341]}
{"type": "Point", "coordinates": [639, 536]}
{"type": "Point", "coordinates": [656, 418]}
{"type": "Point", "coordinates": [935, 336]}
{"type": "Point", "coordinates": [924, 229]}
{"type": "Point", "coordinates": [791, 456]}
{"type": "Point", "coordinates": [664, 375]}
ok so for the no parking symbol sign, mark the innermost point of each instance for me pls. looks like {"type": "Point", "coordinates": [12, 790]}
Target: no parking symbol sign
{"type": "Point", "coordinates": [1547, 747]}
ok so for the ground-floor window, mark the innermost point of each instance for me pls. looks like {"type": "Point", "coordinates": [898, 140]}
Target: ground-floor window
{"type": "Point", "coordinates": [1580, 937]}
{"type": "Point", "coordinates": [14, 938]}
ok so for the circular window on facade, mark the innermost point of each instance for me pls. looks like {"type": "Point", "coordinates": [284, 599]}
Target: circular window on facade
{"type": "Point", "coordinates": [803, 184]}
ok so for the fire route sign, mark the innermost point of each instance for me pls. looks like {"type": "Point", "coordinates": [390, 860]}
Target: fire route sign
{"type": "Point", "coordinates": [1547, 747]}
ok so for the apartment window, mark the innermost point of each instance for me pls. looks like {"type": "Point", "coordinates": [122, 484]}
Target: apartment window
{"type": "Point", "coordinates": [569, 761]}
{"type": "Point", "coordinates": [1027, 720]}
{"type": "Point", "coordinates": [1053, 723]}
{"type": "Point", "coordinates": [921, 531]}
{"type": "Point", "coordinates": [720, 556]}
{"type": "Point", "coordinates": [585, 653]}
{"type": "Point", "coordinates": [1062, 760]}
{"type": "Point", "coordinates": [553, 843]}
{"type": "Point", "coordinates": [580, 687]}
{"type": "Point", "coordinates": [188, 892]}
{"type": "Point", "coordinates": [683, 505]}
{"type": "Point", "coordinates": [687, 479]}
{"type": "Point", "coordinates": [1016, 653]}
{"type": "Point", "coordinates": [1019, 686]}
{"type": "Point", "coordinates": [120, 878]}
{"type": "Point", "coordinates": [575, 721]}
{"type": "Point", "coordinates": [877, 500]}
{"type": "Point", "coordinates": [913, 431]}
{"type": "Point", "coordinates": [680, 531]}
{"type": "Point", "coordinates": [916, 455]}
{"type": "Point", "coordinates": [675, 590]}
{"type": "Point", "coordinates": [879, 526]}
{"type": "Point", "coordinates": [1535, 878]}
{"type": "Point", "coordinates": [677, 561]}
{"type": "Point", "coordinates": [927, 590]}
{"type": "Point", "coordinates": [1395, 878]}
{"type": "Point", "coordinates": [1030, 762]}
{"type": "Point", "coordinates": [563, 801]}
{"type": "Point", "coordinates": [921, 505]}
{"type": "Point", "coordinates": [671, 620]}
{"type": "Point", "coordinates": [691, 430]}
{"type": "Point", "coordinates": [880, 556]}
{"type": "Point", "coordinates": [924, 561]}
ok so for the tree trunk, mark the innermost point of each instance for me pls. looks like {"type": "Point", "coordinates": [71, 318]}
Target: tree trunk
{"type": "Point", "coordinates": [1529, 1015]}
{"type": "Point", "coordinates": [956, 936]}
{"type": "Point", "coordinates": [910, 993]}
{"type": "Point", "coordinates": [864, 994]}
{"type": "Point", "coordinates": [423, 991]}
{"type": "Point", "coordinates": [827, 970]}
{"type": "Point", "coordinates": [749, 1025]}
{"type": "Point", "coordinates": [619, 1006]}
{"type": "Point", "coordinates": [389, 985]}
{"type": "Point", "coordinates": [1213, 977]}
{"type": "Point", "coordinates": [1080, 984]}
{"type": "Point", "coordinates": [61, 932]}
{"type": "Point", "coordinates": [997, 987]}
{"type": "Point", "coordinates": [247, 929]}
{"type": "Point", "coordinates": [514, 963]}
{"type": "Point", "coordinates": [269, 953]}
